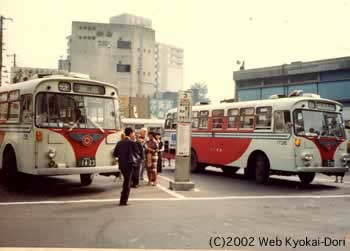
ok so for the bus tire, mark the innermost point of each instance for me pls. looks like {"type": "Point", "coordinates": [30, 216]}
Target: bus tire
{"type": "Point", "coordinates": [196, 167]}
{"type": "Point", "coordinates": [10, 175]}
{"type": "Point", "coordinates": [306, 178]}
{"type": "Point", "coordinates": [86, 179]}
{"type": "Point", "coordinates": [262, 169]}
{"type": "Point", "coordinates": [229, 170]}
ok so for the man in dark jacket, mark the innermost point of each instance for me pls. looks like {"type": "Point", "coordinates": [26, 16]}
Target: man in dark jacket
{"type": "Point", "coordinates": [141, 157]}
{"type": "Point", "coordinates": [126, 152]}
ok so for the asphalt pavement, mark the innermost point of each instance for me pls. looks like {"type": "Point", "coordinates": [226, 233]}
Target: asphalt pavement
{"type": "Point", "coordinates": [223, 212]}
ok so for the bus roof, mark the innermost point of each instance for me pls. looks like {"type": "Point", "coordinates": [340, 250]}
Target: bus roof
{"type": "Point", "coordinates": [281, 103]}
{"type": "Point", "coordinates": [30, 85]}
{"type": "Point", "coordinates": [142, 121]}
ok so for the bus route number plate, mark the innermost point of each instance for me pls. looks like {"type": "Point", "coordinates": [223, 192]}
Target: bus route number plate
{"type": "Point", "coordinates": [86, 162]}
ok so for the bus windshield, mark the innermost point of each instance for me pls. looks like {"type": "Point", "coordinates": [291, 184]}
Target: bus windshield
{"type": "Point", "coordinates": [318, 123]}
{"type": "Point", "coordinates": [70, 111]}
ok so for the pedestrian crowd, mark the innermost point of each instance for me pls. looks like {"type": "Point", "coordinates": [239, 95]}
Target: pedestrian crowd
{"type": "Point", "coordinates": [137, 154]}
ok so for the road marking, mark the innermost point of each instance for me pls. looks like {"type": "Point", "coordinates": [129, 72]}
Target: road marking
{"type": "Point", "coordinates": [172, 193]}
{"type": "Point", "coordinates": [263, 197]}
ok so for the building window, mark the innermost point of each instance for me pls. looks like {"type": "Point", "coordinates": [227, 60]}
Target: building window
{"type": "Point", "coordinates": [123, 67]}
{"type": "Point", "coordinates": [218, 119]}
{"type": "Point", "coordinates": [263, 117]}
{"type": "Point", "coordinates": [250, 94]}
{"type": "Point", "coordinates": [109, 34]}
{"type": "Point", "coordinates": [247, 118]}
{"type": "Point", "coordinates": [99, 34]}
{"type": "Point", "coordinates": [124, 44]}
{"type": "Point", "coordinates": [203, 119]}
{"type": "Point", "coordinates": [79, 37]}
{"type": "Point", "coordinates": [233, 118]}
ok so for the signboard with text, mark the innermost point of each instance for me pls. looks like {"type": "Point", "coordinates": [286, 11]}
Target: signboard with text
{"type": "Point", "coordinates": [184, 106]}
{"type": "Point", "coordinates": [184, 117]}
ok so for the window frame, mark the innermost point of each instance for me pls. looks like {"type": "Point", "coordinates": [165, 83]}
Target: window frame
{"type": "Point", "coordinates": [222, 112]}
{"type": "Point", "coordinates": [203, 117]}
{"type": "Point", "coordinates": [284, 121]}
{"type": "Point", "coordinates": [195, 116]}
{"type": "Point", "coordinates": [268, 113]}
{"type": "Point", "coordinates": [243, 116]}
{"type": "Point", "coordinates": [229, 115]}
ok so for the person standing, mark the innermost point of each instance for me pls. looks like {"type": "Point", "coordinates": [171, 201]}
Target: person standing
{"type": "Point", "coordinates": [160, 151]}
{"type": "Point", "coordinates": [151, 147]}
{"type": "Point", "coordinates": [140, 160]}
{"type": "Point", "coordinates": [125, 151]}
{"type": "Point", "coordinates": [142, 139]}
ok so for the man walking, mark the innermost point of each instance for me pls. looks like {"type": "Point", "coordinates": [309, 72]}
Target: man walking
{"type": "Point", "coordinates": [126, 151]}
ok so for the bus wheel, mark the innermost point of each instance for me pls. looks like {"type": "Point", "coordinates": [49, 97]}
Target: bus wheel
{"type": "Point", "coordinates": [306, 178]}
{"type": "Point", "coordinates": [228, 170]}
{"type": "Point", "coordinates": [195, 166]}
{"type": "Point", "coordinates": [86, 179]}
{"type": "Point", "coordinates": [262, 170]}
{"type": "Point", "coordinates": [10, 175]}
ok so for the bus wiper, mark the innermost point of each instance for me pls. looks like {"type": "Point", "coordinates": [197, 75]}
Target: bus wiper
{"type": "Point", "coordinates": [96, 125]}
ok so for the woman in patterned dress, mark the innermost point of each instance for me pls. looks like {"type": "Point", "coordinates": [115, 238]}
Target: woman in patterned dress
{"type": "Point", "coordinates": [151, 148]}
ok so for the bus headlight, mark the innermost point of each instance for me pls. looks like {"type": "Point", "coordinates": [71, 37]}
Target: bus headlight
{"type": "Point", "coordinates": [307, 156]}
{"type": "Point", "coordinates": [345, 159]}
{"type": "Point", "coordinates": [52, 153]}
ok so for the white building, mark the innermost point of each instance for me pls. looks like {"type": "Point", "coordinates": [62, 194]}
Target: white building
{"type": "Point", "coordinates": [131, 20]}
{"type": "Point", "coordinates": [120, 52]}
{"type": "Point", "coordinates": [168, 67]}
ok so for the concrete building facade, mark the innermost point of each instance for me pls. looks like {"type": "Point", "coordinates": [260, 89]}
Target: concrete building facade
{"type": "Point", "coordinates": [329, 78]}
{"type": "Point", "coordinates": [118, 53]}
{"type": "Point", "coordinates": [168, 68]}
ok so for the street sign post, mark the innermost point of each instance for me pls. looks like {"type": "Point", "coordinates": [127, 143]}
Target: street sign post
{"type": "Point", "coordinates": [182, 180]}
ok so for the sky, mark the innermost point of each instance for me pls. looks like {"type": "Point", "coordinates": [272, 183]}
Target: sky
{"type": "Point", "coordinates": [213, 34]}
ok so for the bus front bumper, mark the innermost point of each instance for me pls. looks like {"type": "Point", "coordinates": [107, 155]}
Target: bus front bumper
{"type": "Point", "coordinates": [76, 170]}
{"type": "Point", "coordinates": [321, 169]}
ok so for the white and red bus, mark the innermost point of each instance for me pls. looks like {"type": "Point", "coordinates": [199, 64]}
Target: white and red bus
{"type": "Point", "coordinates": [58, 125]}
{"type": "Point", "coordinates": [300, 135]}
{"type": "Point", "coordinates": [152, 125]}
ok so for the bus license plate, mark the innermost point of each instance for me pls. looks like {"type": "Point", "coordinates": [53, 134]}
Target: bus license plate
{"type": "Point", "coordinates": [86, 162]}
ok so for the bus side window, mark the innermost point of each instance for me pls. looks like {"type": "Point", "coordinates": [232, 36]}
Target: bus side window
{"type": "Point", "coordinates": [168, 123]}
{"type": "Point", "coordinates": [195, 119]}
{"type": "Point", "coordinates": [282, 121]}
{"type": "Point", "coordinates": [203, 119]}
{"type": "Point", "coordinates": [263, 117]}
{"type": "Point", "coordinates": [3, 106]}
{"type": "Point", "coordinates": [26, 109]}
{"type": "Point", "coordinates": [174, 121]}
{"type": "Point", "coordinates": [247, 118]}
{"type": "Point", "coordinates": [233, 118]}
{"type": "Point", "coordinates": [218, 119]}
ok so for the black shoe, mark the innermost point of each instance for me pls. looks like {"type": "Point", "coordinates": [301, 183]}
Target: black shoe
{"type": "Point", "coordinates": [123, 204]}
{"type": "Point", "coordinates": [135, 186]}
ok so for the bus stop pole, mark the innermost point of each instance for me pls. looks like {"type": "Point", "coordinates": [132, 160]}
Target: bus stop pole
{"type": "Point", "coordinates": [182, 181]}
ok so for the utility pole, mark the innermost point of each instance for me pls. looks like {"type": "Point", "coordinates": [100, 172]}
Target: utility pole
{"type": "Point", "coordinates": [2, 19]}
